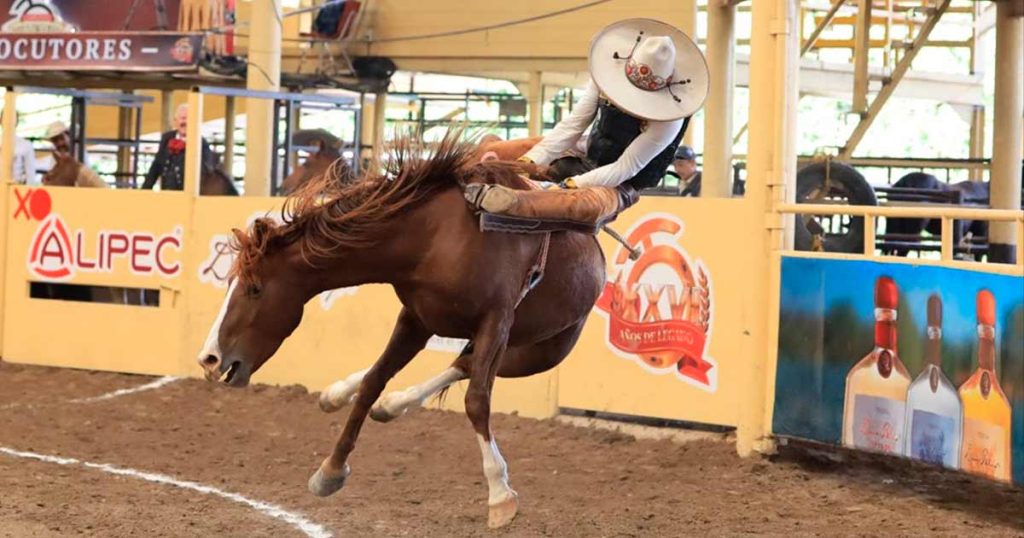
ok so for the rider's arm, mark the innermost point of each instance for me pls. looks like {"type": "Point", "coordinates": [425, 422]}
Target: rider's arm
{"type": "Point", "coordinates": [657, 136]}
{"type": "Point", "coordinates": [568, 131]}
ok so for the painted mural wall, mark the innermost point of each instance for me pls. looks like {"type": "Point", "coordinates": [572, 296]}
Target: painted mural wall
{"type": "Point", "coordinates": [918, 362]}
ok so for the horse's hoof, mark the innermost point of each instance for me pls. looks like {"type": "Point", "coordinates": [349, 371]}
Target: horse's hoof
{"type": "Point", "coordinates": [326, 405]}
{"type": "Point", "coordinates": [322, 485]}
{"type": "Point", "coordinates": [329, 406]}
{"type": "Point", "coordinates": [502, 513]}
{"type": "Point", "coordinates": [381, 414]}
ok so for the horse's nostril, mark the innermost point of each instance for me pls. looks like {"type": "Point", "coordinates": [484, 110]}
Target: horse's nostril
{"type": "Point", "coordinates": [211, 360]}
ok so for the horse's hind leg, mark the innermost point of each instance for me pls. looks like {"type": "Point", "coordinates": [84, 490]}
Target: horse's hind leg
{"type": "Point", "coordinates": [341, 393]}
{"type": "Point", "coordinates": [489, 344]}
{"type": "Point", "coordinates": [395, 404]}
{"type": "Point", "coordinates": [407, 339]}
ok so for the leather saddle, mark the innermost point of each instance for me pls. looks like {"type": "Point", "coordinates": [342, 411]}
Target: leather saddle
{"type": "Point", "coordinates": [544, 210]}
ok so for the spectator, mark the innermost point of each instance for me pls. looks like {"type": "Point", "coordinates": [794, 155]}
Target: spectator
{"type": "Point", "coordinates": [685, 166]}
{"type": "Point", "coordinates": [60, 136]}
{"type": "Point", "coordinates": [169, 164]}
{"type": "Point", "coordinates": [23, 170]}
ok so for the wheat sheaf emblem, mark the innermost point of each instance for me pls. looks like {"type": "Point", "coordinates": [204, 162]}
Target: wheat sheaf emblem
{"type": "Point", "coordinates": [659, 307]}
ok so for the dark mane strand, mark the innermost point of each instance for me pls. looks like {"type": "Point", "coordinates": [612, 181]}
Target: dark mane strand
{"type": "Point", "coordinates": [331, 211]}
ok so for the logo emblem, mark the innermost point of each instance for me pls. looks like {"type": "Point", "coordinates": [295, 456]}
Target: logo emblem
{"type": "Point", "coordinates": [50, 255]}
{"type": "Point", "coordinates": [57, 252]}
{"type": "Point", "coordinates": [659, 307]}
{"type": "Point", "coordinates": [183, 51]}
{"type": "Point", "coordinates": [35, 16]}
{"type": "Point", "coordinates": [216, 268]}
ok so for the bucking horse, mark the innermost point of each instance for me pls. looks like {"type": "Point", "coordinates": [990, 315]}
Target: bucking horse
{"type": "Point", "coordinates": [520, 299]}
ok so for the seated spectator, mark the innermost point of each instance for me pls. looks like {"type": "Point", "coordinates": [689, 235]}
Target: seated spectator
{"type": "Point", "coordinates": [23, 170]}
{"type": "Point", "coordinates": [169, 164]}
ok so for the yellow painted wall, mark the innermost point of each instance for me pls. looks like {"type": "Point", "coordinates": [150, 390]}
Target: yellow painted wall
{"type": "Point", "coordinates": [89, 335]}
{"type": "Point", "coordinates": [596, 377]}
{"type": "Point", "coordinates": [347, 334]}
{"type": "Point", "coordinates": [564, 36]}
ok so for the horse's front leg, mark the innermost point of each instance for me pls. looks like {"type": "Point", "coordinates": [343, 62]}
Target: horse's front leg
{"type": "Point", "coordinates": [407, 339]}
{"type": "Point", "coordinates": [490, 343]}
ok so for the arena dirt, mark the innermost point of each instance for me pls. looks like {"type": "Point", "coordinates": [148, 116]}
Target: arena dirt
{"type": "Point", "coordinates": [420, 475]}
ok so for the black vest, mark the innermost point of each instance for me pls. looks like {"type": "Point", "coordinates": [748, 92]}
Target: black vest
{"type": "Point", "coordinates": [614, 131]}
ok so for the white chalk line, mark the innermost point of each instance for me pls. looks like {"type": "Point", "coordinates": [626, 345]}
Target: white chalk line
{"type": "Point", "coordinates": [123, 392]}
{"type": "Point", "coordinates": [163, 381]}
{"type": "Point", "coordinates": [307, 527]}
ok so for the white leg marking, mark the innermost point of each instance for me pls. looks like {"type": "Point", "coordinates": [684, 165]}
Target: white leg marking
{"type": "Point", "coordinates": [496, 471]}
{"type": "Point", "coordinates": [395, 404]}
{"type": "Point", "coordinates": [212, 344]}
{"type": "Point", "coordinates": [342, 393]}
{"type": "Point", "coordinates": [296, 520]}
{"type": "Point", "coordinates": [122, 392]}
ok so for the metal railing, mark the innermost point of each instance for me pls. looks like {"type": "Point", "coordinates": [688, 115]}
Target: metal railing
{"type": "Point", "coordinates": [946, 214]}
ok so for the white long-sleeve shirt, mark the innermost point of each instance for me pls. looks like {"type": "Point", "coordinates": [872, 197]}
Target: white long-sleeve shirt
{"type": "Point", "coordinates": [654, 138]}
{"type": "Point", "coordinates": [23, 170]}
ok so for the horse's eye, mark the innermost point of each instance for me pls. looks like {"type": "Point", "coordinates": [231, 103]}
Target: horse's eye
{"type": "Point", "coordinates": [252, 290]}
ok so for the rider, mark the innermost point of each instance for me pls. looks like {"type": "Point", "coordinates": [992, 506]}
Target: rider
{"type": "Point", "coordinates": [647, 79]}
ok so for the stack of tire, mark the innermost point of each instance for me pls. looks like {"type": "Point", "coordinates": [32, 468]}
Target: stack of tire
{"type": "Point", "coordinates": [842, 179]}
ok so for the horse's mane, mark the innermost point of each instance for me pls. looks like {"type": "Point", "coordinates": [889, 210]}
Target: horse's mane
{"type": "Point", "coordinates": [327, 213]}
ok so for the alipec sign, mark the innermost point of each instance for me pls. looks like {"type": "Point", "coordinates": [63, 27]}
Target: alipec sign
{"type": "Point", "coordinates": [59, 252]}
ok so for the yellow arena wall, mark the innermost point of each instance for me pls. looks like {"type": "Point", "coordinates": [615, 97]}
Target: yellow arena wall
{"type": "Point", "coordinates": [343, 330]}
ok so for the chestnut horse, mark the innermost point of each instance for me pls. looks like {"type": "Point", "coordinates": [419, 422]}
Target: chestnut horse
{"type": "Point", "coordinates": [411, 228]}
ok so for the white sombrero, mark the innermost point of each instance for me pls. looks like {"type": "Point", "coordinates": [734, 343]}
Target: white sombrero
{"type": "Point", "coordinates": [649, 69]}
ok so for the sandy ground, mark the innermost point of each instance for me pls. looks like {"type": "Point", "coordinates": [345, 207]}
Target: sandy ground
{"type": "Point", "coordinates": [420, 475]}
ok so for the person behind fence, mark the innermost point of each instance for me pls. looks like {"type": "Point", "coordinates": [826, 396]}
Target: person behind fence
{"type": "Point", "coordinates": [169, 164]}
{"type": "Point", "coordinates": [646, 79]}
{"type": "Point", "coordinates": [66, 170]}
{"type": "Point", "coordinates": [23, 169]}
{"type": "Point", "coordinates": [685, 168]}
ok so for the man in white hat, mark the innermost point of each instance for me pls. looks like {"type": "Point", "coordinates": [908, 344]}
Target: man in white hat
{"type": "Point", "coordinates": [647, 79]}
{"type": "Point", "coordinates": [60, 136]}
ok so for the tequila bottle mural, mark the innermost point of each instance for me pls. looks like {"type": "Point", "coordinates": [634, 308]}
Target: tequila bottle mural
{"type": "Point", "coordinates": [933, 420]}
{"type": "Point", "coordinates": [986, 437]}
{"type": "Point", "coordinates": [876, 387]}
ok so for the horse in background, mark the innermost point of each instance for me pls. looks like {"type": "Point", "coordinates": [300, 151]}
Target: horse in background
{"type": "Point", "coordinates": [327, 155]}
{"type": "Point", "coordinates": [970, 193]}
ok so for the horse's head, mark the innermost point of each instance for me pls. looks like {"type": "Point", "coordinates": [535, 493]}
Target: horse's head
{"type": "Point", "coordinates": [64, 171]}
{"type": "Point", "coordinates": [263, 306]}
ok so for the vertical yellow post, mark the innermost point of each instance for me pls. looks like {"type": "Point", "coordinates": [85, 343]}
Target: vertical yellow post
{"type": "Point", "coordinates": [6, 166]}
{"type": "Point", "coordinates": [124, 132]}
{"type": "Point", "coordinates": [977, 141]}
{"type": "Point", "coordinates": [166, 110]}
{"type": "Point", "coordinates": [688, 24]}
{"type": "Point", "coordinates": [535, 105]}
{"type": "Point", "coordinates": [717, 171]}
{"type": "Point", "coordinates": [194, 147]}
{"type": "Point", "coordinates": [771, 165]}
{"type": "Point", "coordinates": [264, 73]}
{"type": "Point", "coordinates": [862, 46]}
{"type": "Point", "coordinates": [380, 108]}
{"type": "Point", "coordinates": [366, 111]}
{"type": "Point", "coordinates": [229, 134]}
{"type": "Point", "coordinates": [1007, 130]}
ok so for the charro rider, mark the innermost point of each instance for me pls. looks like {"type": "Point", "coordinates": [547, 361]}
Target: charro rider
{"type": "Point", "coordinates": [647, 79]}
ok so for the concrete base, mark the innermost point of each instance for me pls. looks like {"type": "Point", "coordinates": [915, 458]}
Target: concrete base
{"type": "Point", "coordinates": [1002, 253]}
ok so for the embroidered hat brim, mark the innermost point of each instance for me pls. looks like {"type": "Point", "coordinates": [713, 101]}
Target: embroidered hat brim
{"type": "Point", "coordinates": [667, 104]}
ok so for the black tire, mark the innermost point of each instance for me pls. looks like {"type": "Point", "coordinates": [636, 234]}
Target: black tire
{"type": "Point", "coordinates": [844, 182]}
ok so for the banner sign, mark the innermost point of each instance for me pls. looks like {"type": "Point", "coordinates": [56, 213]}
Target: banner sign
{"type": "Point", "coordinates": [91, 16]}
{"type": "Point", "coordinates": [37, 37]}
{"type": "Point", "coordinates": [918, 362]}
{"type": "Point", "coordinates": [100, 51]}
